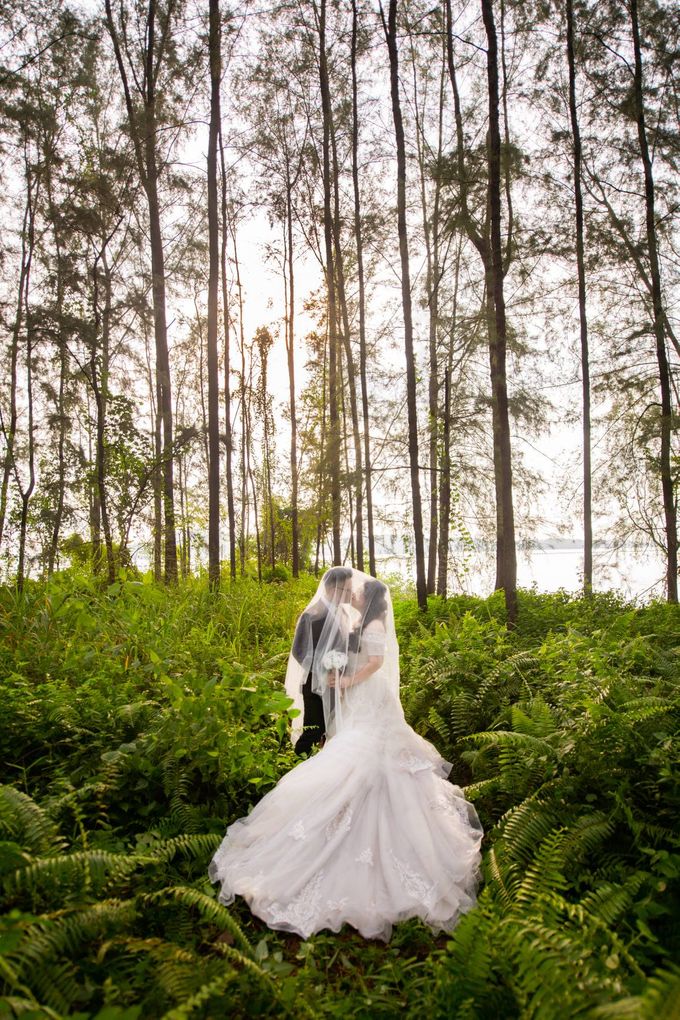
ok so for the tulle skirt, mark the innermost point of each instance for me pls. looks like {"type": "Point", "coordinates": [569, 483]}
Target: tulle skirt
{"type": "Point", "coordinates": [367, 832]}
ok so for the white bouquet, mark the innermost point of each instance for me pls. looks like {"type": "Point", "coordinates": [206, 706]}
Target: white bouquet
{"type": "Point", "coordinates": [334, 660]}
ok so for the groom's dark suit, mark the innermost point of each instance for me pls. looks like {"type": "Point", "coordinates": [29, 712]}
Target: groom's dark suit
{"type": "Point", "coordinates": [314, 726]}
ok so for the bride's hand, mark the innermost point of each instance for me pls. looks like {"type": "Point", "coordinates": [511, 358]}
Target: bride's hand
{"type": "Point", "coordinates": [339, 682]}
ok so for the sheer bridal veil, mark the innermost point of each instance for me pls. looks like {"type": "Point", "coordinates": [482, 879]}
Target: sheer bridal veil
{"type": "Point", "coordinates": [349, 618]}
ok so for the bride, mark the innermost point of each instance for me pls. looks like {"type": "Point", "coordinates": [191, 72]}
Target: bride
{"type": "Point", "coordinates": [367, 831]}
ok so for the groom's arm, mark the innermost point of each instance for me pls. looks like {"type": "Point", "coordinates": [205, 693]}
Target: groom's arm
{"type": "Point", "coordinates": [302, 641]}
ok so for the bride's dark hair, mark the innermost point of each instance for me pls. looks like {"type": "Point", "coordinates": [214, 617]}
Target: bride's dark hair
{"type": "Point", "coordinates": [375, 593]}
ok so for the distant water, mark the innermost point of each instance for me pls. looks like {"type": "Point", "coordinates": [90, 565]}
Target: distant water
{"type": "Point", "coordinates": [548, 565]}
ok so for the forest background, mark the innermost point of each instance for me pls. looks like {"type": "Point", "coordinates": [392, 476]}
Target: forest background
{"type": "Point", "coordinates": [312, 282]}
{"type": "Point", "coordinates": [423, 373]}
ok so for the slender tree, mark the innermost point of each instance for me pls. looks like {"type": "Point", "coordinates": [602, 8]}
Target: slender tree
{"type": "Point", "coordinates": [666, 420]}
{"type": "Point", "coordinates": [228, 431]}
{"type": "Point", "coordinates": [390, 30]}
{"type": "Point", "coordinates": [333, 434]}
{"type": "Point", "coordinates": [498, 332]}
{"type": "Point", "coordinates": [143, 127]}
{"type": "Point", "coordinates": [214, 45]}
{"type": "Point", "coordinates": [358, 238]}
{"type": "Point", "coordinates": [583, 319]}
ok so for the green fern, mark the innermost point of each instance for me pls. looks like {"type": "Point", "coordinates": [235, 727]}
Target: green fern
{"type": "Point", "coordinates": [20, 1005]}
{"type": "Point", "coordinates": [216, 986]}
{"type": "Point", "coordinates": [176, 967]}
{"type": "Point", "coordinates": [525, 825]}
{"type": "Point", "coordinates": [525, 741]}
{"type": "Point", "coordinates": [659, 1001]}
{"type": "Point", "coordinates": [94, 868]}
{"type": "Point", "coordinates": [24, 822]}
{"type": "Point", "coordinates": [210, 910]}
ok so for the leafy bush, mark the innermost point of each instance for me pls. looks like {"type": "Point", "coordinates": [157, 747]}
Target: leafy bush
{"type": "Point", "coordinates": [139, 721]}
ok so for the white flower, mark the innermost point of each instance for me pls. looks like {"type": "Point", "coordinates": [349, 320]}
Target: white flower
{"type": "Point", "coordinates": [334, 660]}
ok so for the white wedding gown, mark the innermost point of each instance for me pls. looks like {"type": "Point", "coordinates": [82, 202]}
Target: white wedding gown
{"type": "Point", "coordinates": [367, 832]}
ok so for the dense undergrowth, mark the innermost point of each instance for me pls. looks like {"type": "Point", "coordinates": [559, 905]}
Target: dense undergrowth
{"type": "Point", "coordinates": [136, 722]}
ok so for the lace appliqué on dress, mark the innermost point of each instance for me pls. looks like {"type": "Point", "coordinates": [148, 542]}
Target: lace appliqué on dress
{"type": "Point", "coordinates": [365, 857]}
{"type": "Point", "coordinates": [444, 804]}
{"type": "Point", "coordinates": [302, 911]}
{"type": "Point", "coordinates": [413, 763]}
{"type": "Point", "coordinates": [298, 831]}
{"type": "Point", "coordinates": [341, 823]}
{"type": "Point", "coordinates": [414, 884]}
{"type": "Point", "coordinates": [337, 904]}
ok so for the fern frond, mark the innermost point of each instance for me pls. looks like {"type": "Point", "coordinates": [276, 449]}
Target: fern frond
{"type": "Point", "coordinates": [439, 725]}
{"type": "Point", "coordinates": [210, 909]}
{"type": "Point", "coordinates": [553, 964]}
{"type": "Point", "coordinates": [176, 966]}
{"type": "Point", "coordinates": [525, 825]}
{"type": "Point", "coordinates": [583, 919]}
{"type": "Point", "coordinates": [649, 701]}
{"type": "Point", "coordinates": [93, 866]}
{"type": "Point", "coordinates": [484, 786]}
{"type": "Point", "coordinates": [586, 833]}
{"type": "Point", "coordinates": [19, 1006]}
{"type": "Point", "coordinates": [214, 987]}
{"type": "Point", "coordinates": [26, 823]}
{"type": "Point", "coordinates": [508, 738]}
{"type": "Point", "coordinates": [298, 1007]}
{"type": "Point", "coordinates": [460, 711]}
{"type": "Point", "coordinates": [470, 957]}
{"type": "Point", "coordinates": [546, 872]}
{"type": "Point", "coordinates": [538, 720]}
{"type": "Point", "coordinates": [65, 933]}
{"type": "Point", "coordinates": [610, 901]}
{"type": "Point", "coordinates": [506, 884]}
{"type": "Point", "coordinates": [509, 669]}
{"type": "Point", "coordinates": [659, 1001]}
{"type": "Point", "coordinates": [56, 985]}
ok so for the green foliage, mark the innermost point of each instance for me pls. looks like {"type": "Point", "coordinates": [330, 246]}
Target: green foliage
{"type": "Point", "coordinates": [140, 720]}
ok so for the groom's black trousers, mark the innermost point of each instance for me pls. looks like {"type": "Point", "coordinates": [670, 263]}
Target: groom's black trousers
{"type": "Point", "coordinates": [313, 720]}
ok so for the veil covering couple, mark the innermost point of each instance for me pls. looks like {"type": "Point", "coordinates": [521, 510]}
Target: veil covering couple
{"type": "Point", "coordinates": [367, 831]}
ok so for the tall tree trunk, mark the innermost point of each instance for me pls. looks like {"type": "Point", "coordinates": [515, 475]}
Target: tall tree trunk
{"type": "Point", "coordinates": [182, 516]}
{"type": "Point", "coordinates": [670, 512]}
{"type": "Point", "coordinates": [445, 463]}
{"type": "Point", "coordinates": [333, 438]}
{"type": "Point", "coordinates": [362, 297]}
{"type": "Point", "coordinates": [321, 508]}
{"type": "Point", "coordinates": [158, 490]}
{"type": "Point", "coordinates": [433, 273]}
{"type": "Point", "coordinates": [350, 550]}
{"type": "Point", "coordinates": [201, 387]}
{"type": "Point", "coordinates": [9, 430]}
{"type": "Point", "coordinates": [290, 351]}
{"type": "Point", "coordinates": [264, 347]}
{"type": "Point", "coordinates": [498, 336]}
{"type": "Point", "coordinates": [228, 433]}
{"type": "Point", "coordinates": [245, 435]}
{"type": "Point", "coordinates": [251, 476]}
{"type": "Point", "coordinates": [357, 474]}
{"type": "Point", "coordinates": [213, 283]}
{"type": "Point", "coordinates": [63, 374]}
{"type": "Point", "coordinates": [27, 492]}
{"type": "Point", "coordinates": [102, 322]}
{"type": "Point", "coordinates": [390, 29]}
{"type": "Point", "coordinates": [144, 139]}
{"type": "Point", "coordinates": [583, 320]}
{"type": "Point", "coordinates": [163, 370]}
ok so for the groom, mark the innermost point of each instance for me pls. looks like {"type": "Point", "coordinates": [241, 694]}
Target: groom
{"type": "Point", "coordinates": [337, 589]}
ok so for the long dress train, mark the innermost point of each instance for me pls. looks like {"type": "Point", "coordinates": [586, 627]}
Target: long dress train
{"type": "Point", "coordinates": [366, 832]}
